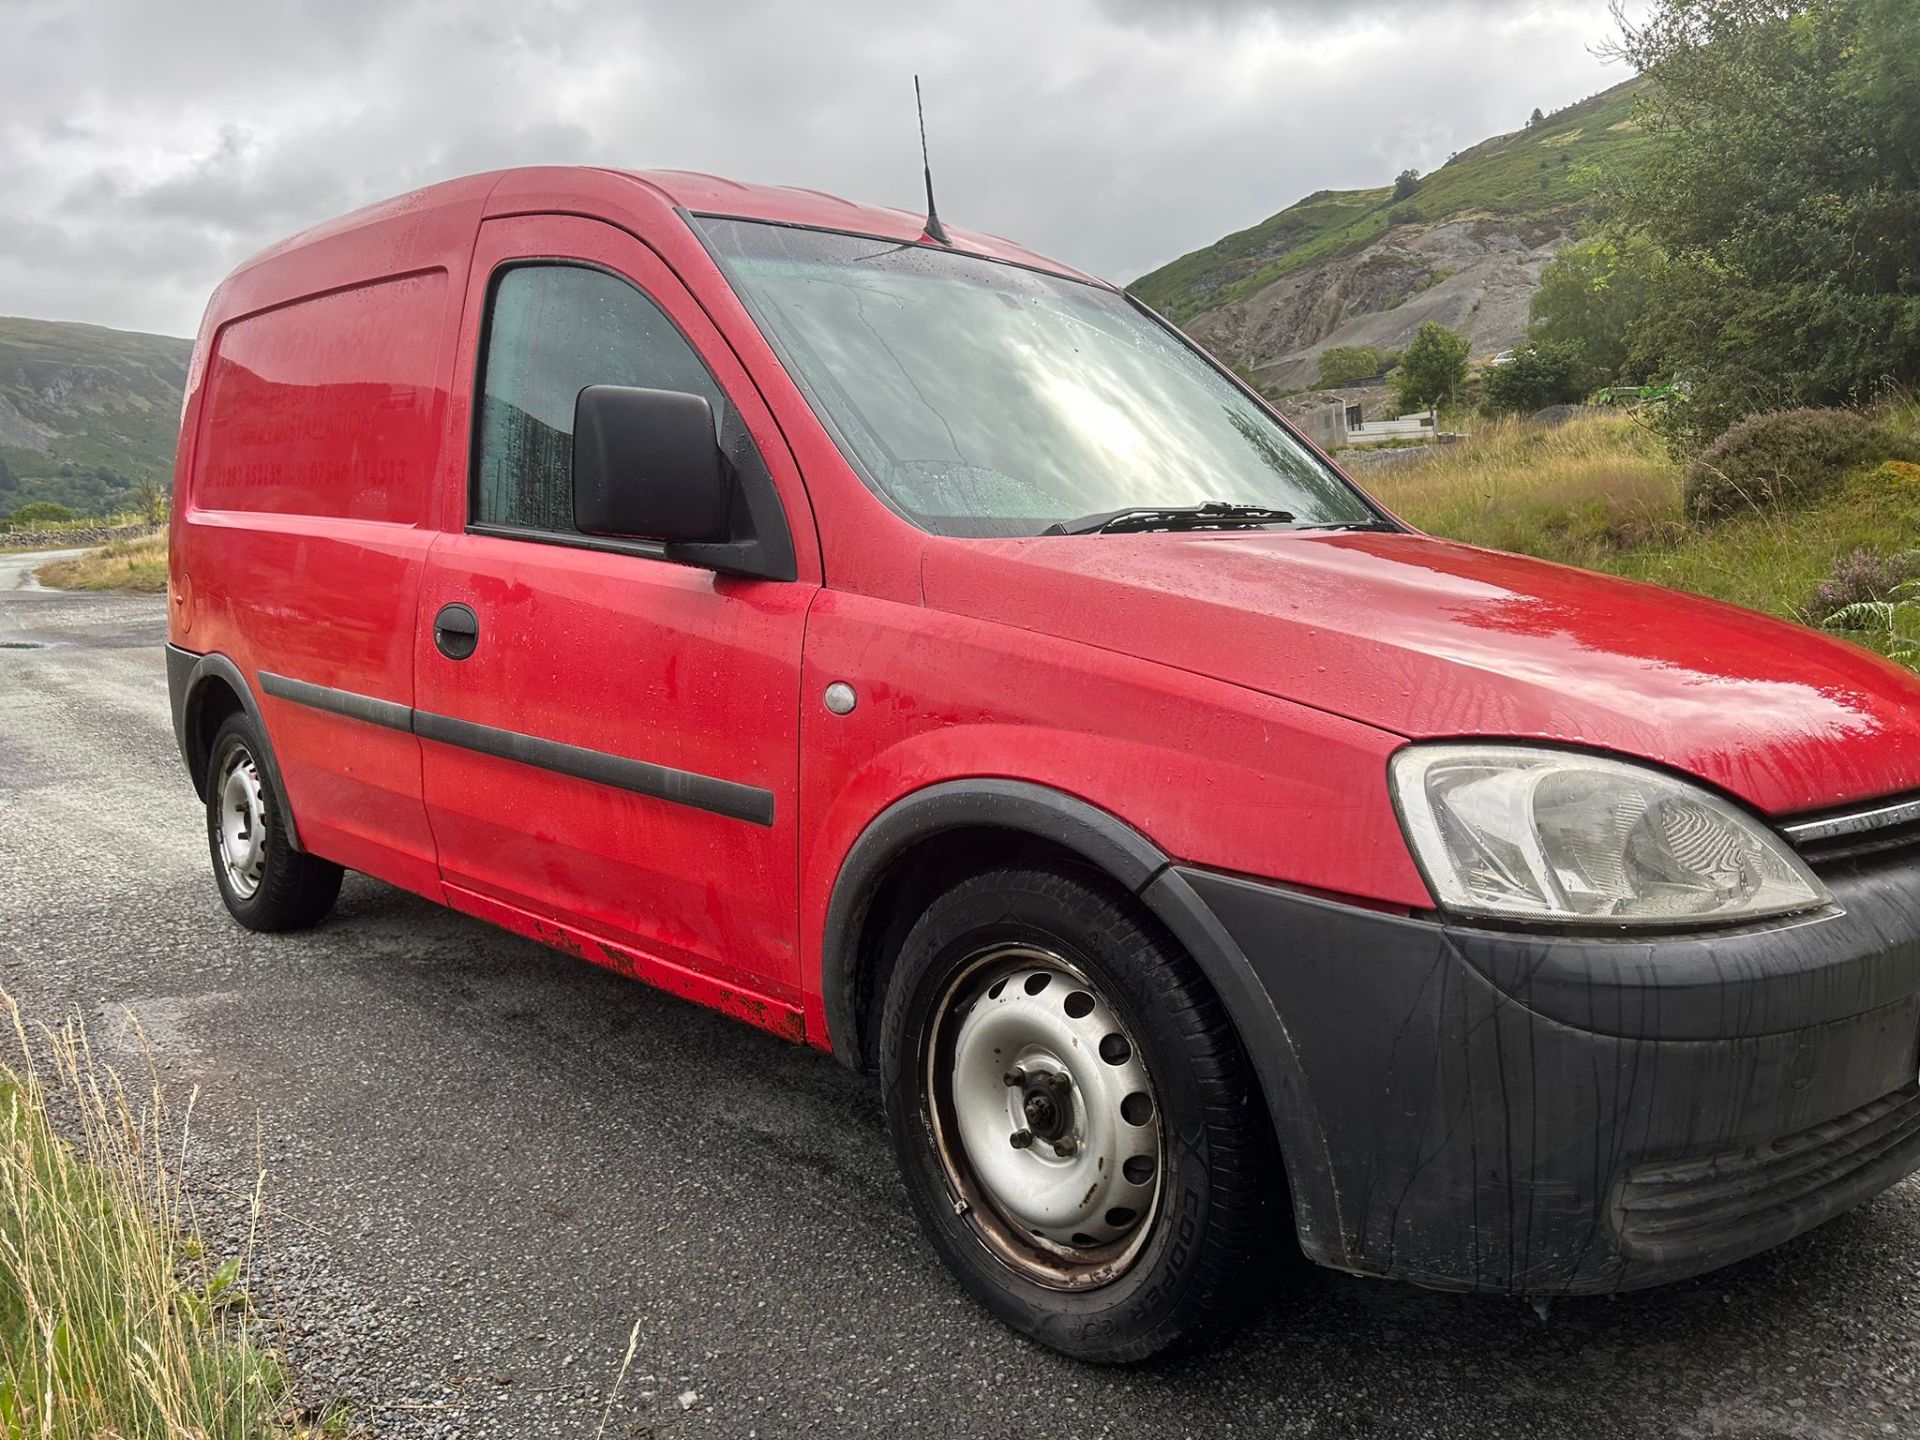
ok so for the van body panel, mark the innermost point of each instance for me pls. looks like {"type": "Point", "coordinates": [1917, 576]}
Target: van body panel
{"type": "Point", "coordinates": [1211, 775]}
{"type": "Point", "coordinates": [320, 401]}
{"type": "Point", "coordinates": [624, 656]}
{"type": "Point", "coordinates": [742, 1002]}
{"type": "Point", "coordinates": [1430, 639]}
{"type": "Point", "coordinates": [638, 660]}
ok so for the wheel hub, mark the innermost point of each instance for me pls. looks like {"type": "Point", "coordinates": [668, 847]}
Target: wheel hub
{"type": "Point", "coordinates": [243, 823]}
{"type": "Point", "coordinates": [1046, 1099]}
{"type": "Point", "coordinates": [1054, 1115]}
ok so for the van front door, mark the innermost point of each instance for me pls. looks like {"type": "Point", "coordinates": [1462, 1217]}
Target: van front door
{"type": "Point", "coordinates": [610, 740]}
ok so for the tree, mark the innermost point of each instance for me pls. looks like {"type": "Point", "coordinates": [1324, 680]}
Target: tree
{"type": "Point", "coordinates": [7, 478]}
{"type": "Point", "coordinates": [1349, 364]}
{"type": "Point", "coordinates": [1782, 183]}
{"type": "Point", "coordinates": [1537, 118]}
{"type": "Point", "coordinates": [1405, 183]}
{"type": "Point", "coordinates": [1432, 367]}
{"type": "Point", "coordinates": [1541, 373]}
{"type": "Point", "coordinates": [152, 500]}
{"type": "Point", "coordinates": [1594, 296]}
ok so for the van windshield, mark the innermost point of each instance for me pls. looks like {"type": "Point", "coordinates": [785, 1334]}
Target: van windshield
{"type": "Point", "coordinates": [980, 398]}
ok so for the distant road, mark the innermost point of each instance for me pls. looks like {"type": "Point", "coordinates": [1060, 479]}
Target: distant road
{"type": "Point", "coordinates": [486, 1161]}
{"type": "Point", "coordinates": [16, 571]}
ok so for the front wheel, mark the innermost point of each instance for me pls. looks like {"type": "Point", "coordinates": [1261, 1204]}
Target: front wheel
{"type": "Point", "coordinates": [1072, 1113]}
{"type": "Point", "coordinates": [265, 882]}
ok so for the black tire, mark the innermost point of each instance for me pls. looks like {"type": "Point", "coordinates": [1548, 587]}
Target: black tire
{"type": "Point", "coordinates": [291, 890]}
{"type": "Point", "coordinates": [1220, 1202]}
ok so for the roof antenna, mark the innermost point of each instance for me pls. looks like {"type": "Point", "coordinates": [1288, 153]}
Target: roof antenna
{"type": "Point", "coordinates": [933, 230]}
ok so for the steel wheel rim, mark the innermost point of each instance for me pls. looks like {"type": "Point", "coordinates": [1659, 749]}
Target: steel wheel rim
{"type": "Point", "coordinates": [1069, 1218]}
{"type": "Point", "coordinates": [242, 827]}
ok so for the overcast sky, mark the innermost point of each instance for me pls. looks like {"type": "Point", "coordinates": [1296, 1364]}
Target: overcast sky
{"type": "Point", "coordinates": [146, 147]}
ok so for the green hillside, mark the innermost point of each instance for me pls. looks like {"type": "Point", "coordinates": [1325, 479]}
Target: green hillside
{"type": "Point", "coordinates": [1540, 173]}
{"type": "Point", "coordinates": [86, 413]}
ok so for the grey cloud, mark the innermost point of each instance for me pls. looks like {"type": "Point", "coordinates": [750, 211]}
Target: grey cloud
{"type": "Point", "coordinates": [1324, 12]}
{"type": "Point", "coordinates": [145, 149]}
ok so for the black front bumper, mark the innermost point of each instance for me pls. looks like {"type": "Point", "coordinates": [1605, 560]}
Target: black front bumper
{"type": "Point", "coordinates": [1484, 1110]}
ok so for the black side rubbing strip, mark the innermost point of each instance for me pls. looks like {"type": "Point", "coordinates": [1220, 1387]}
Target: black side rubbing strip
{"type": "Point", "coordinates": [679, 787]}
{"type": "Point", "coordinates": [338, 702]}
{"type": "Point", "coordinates": [682, 787]}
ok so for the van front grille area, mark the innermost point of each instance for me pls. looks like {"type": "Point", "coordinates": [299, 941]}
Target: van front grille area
{"type": "Point", "coordinates": [1880, 830]}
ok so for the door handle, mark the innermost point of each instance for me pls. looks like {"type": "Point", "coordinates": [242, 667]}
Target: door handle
{"type": "Point", "coordinates": [456, 631]}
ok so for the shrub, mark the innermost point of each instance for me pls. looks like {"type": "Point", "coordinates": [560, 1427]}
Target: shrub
{"type": "Point", "coordinates": [1785, 459]}
{"type": "Point", "coordinates": [38, 511]}
{"type": "Point", "coordinates": [1540, 374]}
{"type": "Point", "coordinates": [1864, 577]}
{"type": "Point", "coordinates": [1346, 364]}
{"type": "Point", "coordinates": [1405, 183]}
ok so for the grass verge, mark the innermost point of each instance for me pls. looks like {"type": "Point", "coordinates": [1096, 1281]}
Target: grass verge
{"type": "Point", "coordinates": [113, 1322]}
{"type": "Point", "coordinates": [139, 565]}
{"type": "Point", "coordinates": [1602, 492]}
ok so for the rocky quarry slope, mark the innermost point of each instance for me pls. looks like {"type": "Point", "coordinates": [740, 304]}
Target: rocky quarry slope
{"type": "Point", "coordinates": [1364, 267]}
{"type": "Point", "coordinates": [1472, 274]}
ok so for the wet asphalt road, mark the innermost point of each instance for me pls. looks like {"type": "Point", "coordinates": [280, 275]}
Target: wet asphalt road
{"type": "Point", "coordinates": [487, 1162]}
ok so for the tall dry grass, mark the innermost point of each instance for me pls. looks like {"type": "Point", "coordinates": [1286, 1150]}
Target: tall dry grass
{"type": "Point", "coordinates": [139, 565]}
{"type": "Point", "coordinates": [114, 1322]}
{"type": "Point", "coordinates": [1595, 485]}
{"type": "Point", "coordinates": [1604, 492]}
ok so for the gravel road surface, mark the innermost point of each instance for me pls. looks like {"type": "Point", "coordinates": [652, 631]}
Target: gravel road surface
{"type": "Point", "coordinates": [487, 1163]}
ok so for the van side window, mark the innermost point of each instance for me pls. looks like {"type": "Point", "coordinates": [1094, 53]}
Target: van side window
{"type": "Point", "coordinates": [553, 330]}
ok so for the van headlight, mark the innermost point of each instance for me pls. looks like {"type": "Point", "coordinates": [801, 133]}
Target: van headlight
{"type": "Point", "coordinates": [1515, 833]}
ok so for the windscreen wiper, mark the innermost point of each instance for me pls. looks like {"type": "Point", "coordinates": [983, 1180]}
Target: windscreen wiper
{"type": "Point", "coordinates": [1214, 515]}
{"type": "Point", "coordinates": [1353, 525]}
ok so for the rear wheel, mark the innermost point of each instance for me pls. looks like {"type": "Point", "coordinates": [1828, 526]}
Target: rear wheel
{"type": "Point", "coordinates": [1073, 1116]}
{"type": "Point", "coordinates": [265, 882]}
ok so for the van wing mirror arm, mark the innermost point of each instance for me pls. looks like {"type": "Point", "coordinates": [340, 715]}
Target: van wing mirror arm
{"type": "Point", "coordinates": [746, 558]}
{"type": "Point", "coordinates": [759, 545]}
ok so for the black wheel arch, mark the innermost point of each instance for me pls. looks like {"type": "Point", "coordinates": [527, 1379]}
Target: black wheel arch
{"type": "Point", "coordinates": [204, 690]}
{"type": "Point", "coordinates": [951, 825]}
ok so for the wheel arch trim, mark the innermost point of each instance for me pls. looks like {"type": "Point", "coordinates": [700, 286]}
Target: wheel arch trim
{"type": "Point", "coordinates": [1096, 836]}
{"type": "Point", "coordinates": [1128, 857]}
{"type": "Point", "coordinates": [187, 675]}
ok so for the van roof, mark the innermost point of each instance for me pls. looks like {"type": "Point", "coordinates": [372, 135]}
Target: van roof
{"type": "Point", "coordinates": [790, 205]}
{"type": "Point", "coordinates": [597, 190]}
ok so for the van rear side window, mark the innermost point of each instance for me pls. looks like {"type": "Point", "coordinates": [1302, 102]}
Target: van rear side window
{"type": "Point", "coordinates": [328, 406]}
{"type": "Point", "coordinates": [553, 331]}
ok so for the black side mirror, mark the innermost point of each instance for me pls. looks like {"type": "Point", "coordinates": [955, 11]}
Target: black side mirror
{"type": "Point", "coordinates": [646, 465]}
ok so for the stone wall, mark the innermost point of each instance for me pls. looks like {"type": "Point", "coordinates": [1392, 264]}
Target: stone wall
{"type": "Point", "coordinates": [76, 537]}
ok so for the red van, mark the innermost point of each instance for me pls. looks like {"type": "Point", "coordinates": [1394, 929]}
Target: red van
{"type": "Point", "coordinates": [922, 651]}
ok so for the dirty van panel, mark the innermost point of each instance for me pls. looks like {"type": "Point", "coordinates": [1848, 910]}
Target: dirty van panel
{"type": "Point", "coordinates": [330, 407]}
{"type": "Point", "coordinates": [609, 742]}
{"type": "Point", "coordinates": [319, 438]}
